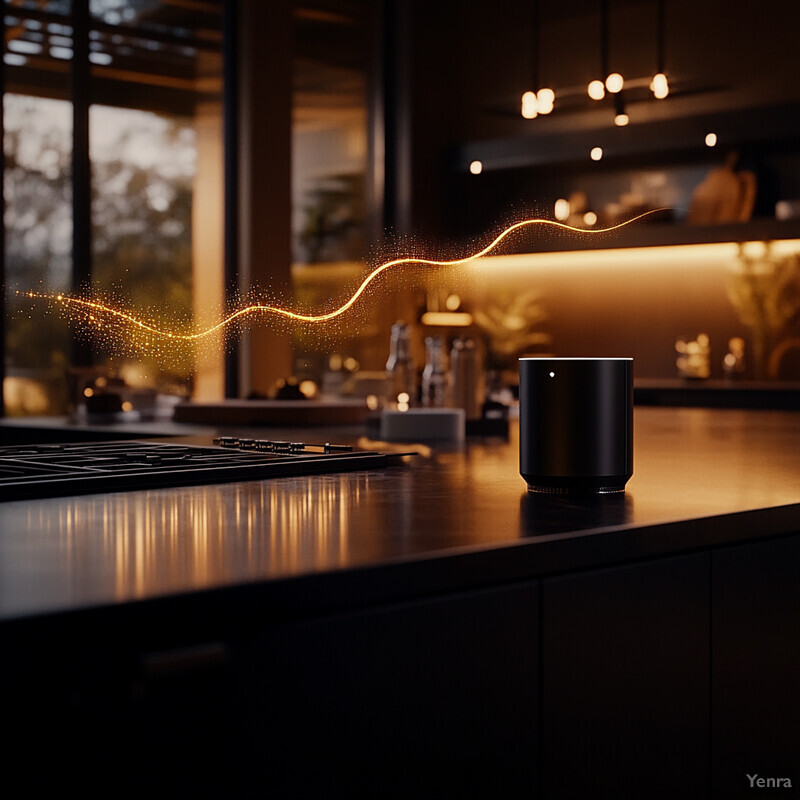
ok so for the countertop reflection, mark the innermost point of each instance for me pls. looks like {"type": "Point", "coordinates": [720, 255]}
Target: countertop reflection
{"type": "Point", "coordinates": [689, 465]}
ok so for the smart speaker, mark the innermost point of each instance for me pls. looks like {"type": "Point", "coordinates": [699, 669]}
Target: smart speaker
{"type": "Point", "coordinates": [576, 424]}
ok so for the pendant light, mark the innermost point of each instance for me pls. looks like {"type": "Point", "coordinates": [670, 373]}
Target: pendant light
{"type": "Point", "coordinates": [542, 99]}
{"type": "Point", "coordinates": [659, 86]}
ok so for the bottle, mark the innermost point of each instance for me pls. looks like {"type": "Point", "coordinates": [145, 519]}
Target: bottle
{"type": "Point", "coordinates": [434, 375]}
{"type": "Point", "coordinates": [467, 381]}
{"type": "Point", "coordinates": [400, 369]}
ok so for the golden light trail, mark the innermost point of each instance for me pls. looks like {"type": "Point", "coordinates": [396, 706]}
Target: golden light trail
{"type": "Point", "coordinates": [96, 307]}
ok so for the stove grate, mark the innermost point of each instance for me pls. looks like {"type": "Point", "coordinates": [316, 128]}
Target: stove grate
{"type": "Point", "coordinates": [62, 469]}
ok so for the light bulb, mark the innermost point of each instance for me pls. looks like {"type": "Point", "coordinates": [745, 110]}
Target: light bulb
{"type": "Point", "coordinates": [659, 86]}
{"type": "Point", "coordinates": [590, 218]}
{"type": "Point", "coordinates": [561, 209]}
{"type": "Point", "coordinates": [615, 82]}
{"type": "Point", "coordinates": [711, 139]}
{"type": "Point", "coordinates": [596, 153]}
{"type": "Point", "coordinates": [545, 99]}
{"type": "Point", "coordinates": [530, 105]}
{"type": "Point", "coordinates": [620, 120]}
{"type": "Point", "coordinates": [476, 167]}
{"type": "Point", "coordinates": [596, 90]}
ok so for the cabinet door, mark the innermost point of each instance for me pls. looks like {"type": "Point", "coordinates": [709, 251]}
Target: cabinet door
{"type": "Point", "coordinates": [625, 682]}
{"type": "Point", "coordinates": [756, 667]}
{"type": "Point", "coordinates": [428, 699]}
{"type": "Point", "coordinates": [95, 710]}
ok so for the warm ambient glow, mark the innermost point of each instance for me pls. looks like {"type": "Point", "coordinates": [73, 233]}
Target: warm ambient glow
{"type": "Point", "coordinates": [711, 139]}
{"type": "Point", "coordinates": [450, 319]}
{"type": "Point", "coordinates": [615, 82]}
{"type": "Point", "coordinates": [676, 256]}
{"type": "Point", "coordinates": [590, 218]}
{"type": "Point", "coordinates": [596, 153]}
{"type": "Point", "coordinates": [621, 120]}
{"type": "Point", "coordinates": [476, 167]}
{"type": "Point", "coordinates": [659, 86]}
{"type": "Point", "coordinates": [530, 105]}
{"type": "Point", "coordinates": [596, 90]}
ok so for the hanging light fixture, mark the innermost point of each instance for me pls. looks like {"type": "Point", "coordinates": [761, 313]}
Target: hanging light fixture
{"type": "Point", "coordinates": [546, 99]}
{"type": "Point", "coordinates": [530, 105]}
{"type": "Point", "coordinates": [613, 81]}
{"type": "Point", "coordinates": [596, 88]}
{"type": "Point", "coordinates": [659, 86]}
{"type": "Point", "coordinates": [621, 117]}
{"type": "Point", "coordinates": [541, 101]}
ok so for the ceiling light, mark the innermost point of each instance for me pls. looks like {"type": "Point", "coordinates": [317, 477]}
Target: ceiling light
{"type": "Point", "coordinates": [545, 99]}
{"type": "Point", "coordinates": [596, 153]}
{"type": "Point", "coordinates": [659, 86]}
{"type": "Point", "coordinates": [620, 115]}
{"type": "Point", "coordinates": [615, 82]}
{"type": "Point", "coordinates": [530, 105]}
{"type": "Point", "coordinates": [596, 90]}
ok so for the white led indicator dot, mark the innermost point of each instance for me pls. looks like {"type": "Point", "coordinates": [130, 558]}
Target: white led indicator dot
{"type": "Point", "coordinates": [552, 374]}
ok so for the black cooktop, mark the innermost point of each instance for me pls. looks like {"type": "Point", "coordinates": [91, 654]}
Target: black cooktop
{"type": "Point", "coordinates": [63, 469]}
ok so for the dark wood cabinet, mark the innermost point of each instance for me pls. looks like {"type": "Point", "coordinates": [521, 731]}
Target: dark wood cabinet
{"type": "Point", "coordinates": [755, 675]}
{"type": "Point", "coordinates": [434, 698]}
{"type": "Point", "coordinates": [625, 682]}
{"type": "Point", "coordinates": [666, 678]}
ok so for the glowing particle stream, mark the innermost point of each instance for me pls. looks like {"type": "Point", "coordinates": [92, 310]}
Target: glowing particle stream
{"type": "Point", "coordinates": [95, 307]}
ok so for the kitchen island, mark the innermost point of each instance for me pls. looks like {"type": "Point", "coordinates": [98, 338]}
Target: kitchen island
{"type": "Point", "coordinates": [426, 629]}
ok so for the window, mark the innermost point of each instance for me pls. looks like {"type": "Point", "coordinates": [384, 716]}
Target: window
{"type": "Point", "coordinates": [113, 187]}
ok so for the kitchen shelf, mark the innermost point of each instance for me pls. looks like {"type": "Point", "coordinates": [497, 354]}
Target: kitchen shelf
{"type": "Point", "coordinates": [659, 234]}
{"type": "Point", "coordinates": [682, 138]}
{"type": "Point", "coordinates": [552, 155]}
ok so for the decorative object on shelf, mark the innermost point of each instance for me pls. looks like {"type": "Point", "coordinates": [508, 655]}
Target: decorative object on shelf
{"type": "Point", "coordinates": [764, 288]}
{"type": "Point", "coordinates": [694, 357]}
{"type": "Point", "coordinates": [733, 365]}
{"type": "Point", "coordinates": [726, 194]}
{"type": "Point", "coordinates": [778, 358]}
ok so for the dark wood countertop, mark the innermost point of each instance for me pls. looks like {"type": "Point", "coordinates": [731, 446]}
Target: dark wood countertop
{"type": "Point", "coordinates": [449, 519]}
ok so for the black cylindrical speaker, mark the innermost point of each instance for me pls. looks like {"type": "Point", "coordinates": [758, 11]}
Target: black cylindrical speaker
{"type": "Point", "coordinates": [576, 424]}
